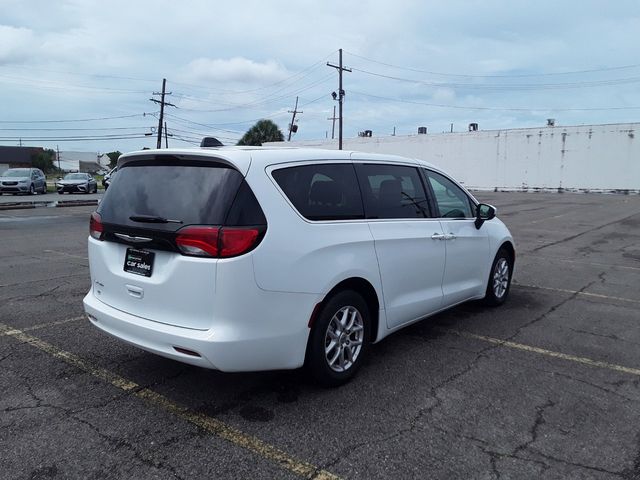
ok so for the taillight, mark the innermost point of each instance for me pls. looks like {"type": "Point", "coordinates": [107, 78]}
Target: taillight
{"type": "Point", "coordinates": [96, 228]}
{"type": "Point", "coordinates": [198, 241]}
{"type": "Point", "coordinates": [219, 242]}
{"type": "Point", "coordinates": [236, 241]}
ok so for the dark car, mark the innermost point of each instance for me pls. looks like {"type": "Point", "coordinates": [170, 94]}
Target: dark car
{"type": "Point", "coordinates": [23, 180]}
{"type": "Point", "coordinates": [77, 183]}
{"type": "Point", "coordinates": [106, 180]}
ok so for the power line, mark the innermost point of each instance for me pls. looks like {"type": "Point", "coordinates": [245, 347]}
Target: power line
{"type": "Point", "coordinates": [504, 86]}
{"type": "Point", "coordinates": [464, 75]}
{"type": "Point", "coordinates": [66, 129]}
{"type": "Point", "coordinates": [279, 82]}
{"type": "Point", "coordinates": [265, 100]}
{"type": "Point", "coordinates": [508, 109]}
{"type": "Point", "coordinates": [70, 139]}
{"type": "Point", "coordinates": [77, 120]}
{"type": "Point", "coordinates": [49, 84]}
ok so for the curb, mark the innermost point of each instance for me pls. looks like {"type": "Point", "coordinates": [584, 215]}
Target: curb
{"type": "Point", "coordinates": [52, 204]}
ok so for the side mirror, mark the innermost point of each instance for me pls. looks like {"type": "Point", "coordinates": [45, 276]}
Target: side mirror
{"type": "Point", "coordinates": [484, 212]}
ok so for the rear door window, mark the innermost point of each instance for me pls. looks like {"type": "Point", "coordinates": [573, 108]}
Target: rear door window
{"type": "Point", "coordinates": [322, 191]}
{"type": "Point", "coordinates": [188, 192]}
{"type": "Point", "coordinates": [392, 191]}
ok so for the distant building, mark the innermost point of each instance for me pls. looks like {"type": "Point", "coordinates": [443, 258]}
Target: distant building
{"type": "Point", "coordinates": [22, 157]}
{"type": "Point", "coordinates": [17, 157]}
{"type": "Point", "coordinates": [598, 158]}
{"type": "Point", "coordinates": [90, 162]}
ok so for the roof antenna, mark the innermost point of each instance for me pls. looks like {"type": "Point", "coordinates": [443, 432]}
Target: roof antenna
{"type": "Point", "coordinates": [211, 142]}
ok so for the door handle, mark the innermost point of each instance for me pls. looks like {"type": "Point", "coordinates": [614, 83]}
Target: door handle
{"type": "Point", "coordinates": [450, 236]}
{"type": "Point", "coordinates": [438, 236]}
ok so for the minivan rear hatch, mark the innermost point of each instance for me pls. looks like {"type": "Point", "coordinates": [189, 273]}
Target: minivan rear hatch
{"type": "Point", "coordinates": [159, 232]}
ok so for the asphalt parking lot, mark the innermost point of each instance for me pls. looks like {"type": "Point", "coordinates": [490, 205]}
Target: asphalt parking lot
{"type": "Point", "coordinates": [546, 386]}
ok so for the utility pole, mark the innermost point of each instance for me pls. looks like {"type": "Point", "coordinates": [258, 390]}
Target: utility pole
{"type": "Point", "coordinates": [166, 136]}
{"type": "Point", "coordinates": [162, 104]}
{"type": "Point", "coordinates": [293, 118]}
{"type": "Point", "coordinates": [333, 123]}
{"type": "Point", "coordinates": [58, 155]}
{"type": "Point", "coordinates": [340, 95]}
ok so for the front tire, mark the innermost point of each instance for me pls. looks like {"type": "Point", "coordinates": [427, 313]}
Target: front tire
{"type": "Point", "coordinates": [499, 279]}
{"type": "Point", "coordinates": [32, 190]}
{"type": "Point", "coordinates": [339, 340]}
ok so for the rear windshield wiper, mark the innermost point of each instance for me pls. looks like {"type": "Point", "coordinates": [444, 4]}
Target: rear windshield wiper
{"type": "Point", "coordinates": [152, 219]}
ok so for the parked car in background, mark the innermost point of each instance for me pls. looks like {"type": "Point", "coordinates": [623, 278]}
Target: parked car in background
{"type": "Point", "coordinates": [77, 183]}
{"type": "Point", "coordinates": [23, 180]}
{"type": "Point", "coordinates": [269, 258]}
{"type": "Point", "coordinates": [106, 180]}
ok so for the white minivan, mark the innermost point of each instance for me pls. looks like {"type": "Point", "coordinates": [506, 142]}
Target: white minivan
{"type": "Point", "coordinates": [264, 258]}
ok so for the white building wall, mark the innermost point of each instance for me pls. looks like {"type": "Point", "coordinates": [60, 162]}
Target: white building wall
{"type": "Point", "coordinates": [587, 157]}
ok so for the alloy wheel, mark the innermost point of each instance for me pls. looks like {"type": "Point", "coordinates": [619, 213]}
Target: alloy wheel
{"type": "Point", "coordinates": [344, 339]}
{"type": "Point", "coordinates": [501, 278]}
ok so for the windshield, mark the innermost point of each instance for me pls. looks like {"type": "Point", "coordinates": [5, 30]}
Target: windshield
{"type": "Point", "coordinates": [17, 172]}
{"type": "Point", "coordinates": [75, 176]}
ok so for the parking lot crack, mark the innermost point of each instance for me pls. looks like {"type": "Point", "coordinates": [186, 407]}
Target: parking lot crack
{"type": "Point", "coordinates": [598, 387]}
{"type": "Point", "coordinates": [119, 443]}
{"type": "Point", "coordinates": [579, 465]}
{"type": "Point", "coordinates": [533, 431]}
{"type": "Point", "coordinates": [589, 230]}
{"type": "Point", "coordinates": [44, 294]}
{"type": "Point", "coordinates": [633, 472]}
{"type": "Point", "coordinates": [549, 311]}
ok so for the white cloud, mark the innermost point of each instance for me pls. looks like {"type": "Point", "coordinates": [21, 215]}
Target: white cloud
{"type": "Point", "coordinates": [236, 70]}
{"type": "Point", "coordinates": [16, 44]}
{"type": "Point", "coordinates": [90, 58]}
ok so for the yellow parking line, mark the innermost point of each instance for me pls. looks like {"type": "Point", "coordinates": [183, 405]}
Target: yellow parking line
{"type": "Point", "coordinates": [542, 351]}
{"type": "Point", "coordinates": [209, 424]}
{"type": "Point", "coordinates": [575, 292]}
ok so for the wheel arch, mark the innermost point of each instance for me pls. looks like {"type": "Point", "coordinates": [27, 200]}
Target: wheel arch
{"type": "Point", "coordinates": [508, 246]}
{"type": "Point", "coordinates": [362, 287]}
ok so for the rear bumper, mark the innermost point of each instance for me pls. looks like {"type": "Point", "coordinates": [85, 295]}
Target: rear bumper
{"type": "Point", "coordinates": [226, 348]}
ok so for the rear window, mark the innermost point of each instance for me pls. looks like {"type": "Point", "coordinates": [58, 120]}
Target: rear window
{"type": "Point", "coordinates": [193, 193]}
{"type": "Point", "coordinates": [322, 191]}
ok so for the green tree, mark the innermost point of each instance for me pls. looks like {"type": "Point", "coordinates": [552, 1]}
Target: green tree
{"type": "Point", "coordinates": [44, 160]}
{"type": "Point", "coordinates": [113, 158]}
{"type": "Point", "coordinates": [263, 131]}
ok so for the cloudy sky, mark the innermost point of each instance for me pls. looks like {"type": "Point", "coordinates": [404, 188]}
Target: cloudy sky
{"type": "Point", "coordinates": [79, 74]}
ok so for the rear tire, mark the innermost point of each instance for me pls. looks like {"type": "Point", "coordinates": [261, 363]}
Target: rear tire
{"type": "Point", "coordinates": [339, 340]}
{"type": "Point", "coordinates": [499, 279]}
